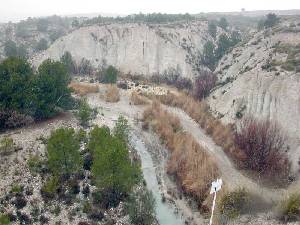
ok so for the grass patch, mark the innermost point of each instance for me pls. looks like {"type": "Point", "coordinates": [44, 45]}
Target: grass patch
{"type": "Point", "coordinates": [235, 203]}
{"type": "Point", "coordinates": [4, 219]}
{"type": "Point", "coordinates": [289, 208]}
{"type": "Point", "coordinates": [112, 94]}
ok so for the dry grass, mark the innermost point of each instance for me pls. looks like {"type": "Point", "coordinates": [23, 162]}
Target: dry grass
{"type": "Point", "coordinates": [112, 94]}
{"type": "Point", "coordinates": [137, 99]}
{"type": "Point", "coordinates": [189, 162]}
{"type": "Point", "coordinates": [83, 88]}
{"type": "Point", "coordinates": [223, 135]}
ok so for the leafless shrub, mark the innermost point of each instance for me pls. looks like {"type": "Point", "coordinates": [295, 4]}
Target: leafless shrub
{"type": "Point", "coordinates": [183, 83]}
{"type": "Point", "coordinates": [263, 143]}
{"type": "Point", "coordinates": [13, 119]}
{"type": "Point", "coordinates": [204, 83]}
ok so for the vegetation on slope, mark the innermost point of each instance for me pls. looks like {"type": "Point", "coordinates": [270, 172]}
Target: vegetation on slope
{"type": "Point", "coordinates": [91, 173]}
{"type": "Point", "coordinates": [27, 95]}
{"type": "Point", "coordinates": [268, 159]}
{"type": "Point", "coordinates": [189, 162]}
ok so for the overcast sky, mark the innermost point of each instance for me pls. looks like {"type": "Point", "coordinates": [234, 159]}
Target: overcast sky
{"type": "Point", "coordinates": [20, 9]}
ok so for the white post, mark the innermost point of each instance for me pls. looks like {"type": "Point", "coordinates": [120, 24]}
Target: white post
{"type": "Point", "coordinates": [213, 208]}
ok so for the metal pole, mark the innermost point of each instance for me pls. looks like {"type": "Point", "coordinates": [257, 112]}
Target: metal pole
{"type": "Point", "coordinates": [213, 208]}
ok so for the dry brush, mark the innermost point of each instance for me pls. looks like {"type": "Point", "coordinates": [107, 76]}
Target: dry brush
{"type": "Point", "coordinates": [189, 162]}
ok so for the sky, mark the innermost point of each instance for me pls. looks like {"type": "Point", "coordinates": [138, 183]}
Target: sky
{"type": "Point", "coordinates": [13, 10]}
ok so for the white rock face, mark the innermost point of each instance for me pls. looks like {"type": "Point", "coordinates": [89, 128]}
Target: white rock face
{"type": "Point", "coordinates": [133, 48]}
{"type": "Point", "coordinates": [250, 89]}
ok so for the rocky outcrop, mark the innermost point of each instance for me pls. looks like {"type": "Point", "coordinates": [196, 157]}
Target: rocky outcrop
{"type": "Point", "coordinates": [135, 48]}
{"type": "Point", "coordinates": [254, 81]}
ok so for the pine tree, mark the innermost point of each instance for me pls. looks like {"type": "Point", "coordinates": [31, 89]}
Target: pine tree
{"type": "Point", "coordinates": [63, 152]}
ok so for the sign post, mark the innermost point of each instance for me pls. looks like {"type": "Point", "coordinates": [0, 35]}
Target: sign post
{"type": "Point", "coordinates": [215, 187]}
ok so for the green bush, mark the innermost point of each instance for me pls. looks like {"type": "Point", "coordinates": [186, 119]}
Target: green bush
{"type": "Point", "coordinates": [234, 203]}
{"type": "Point", "coordinates": [212, 29]}
{"type": "Point", "coordinates": [121, 129]}
{"type": "Point", "coordinates": [10, 48]}
{"type": "Point", "coordinates": [63, 152]}
{"type": "Point", "coordinates": [113, 172]}
{"type": "Point", "coordinates": [16, 188]}
{"type": "Point", "coordinates": [49, 189]}
{"type": "Point", "coordinates": [4, 219]}
{"type": "Point", "coordinates": [35, 164]}
{"type": "Point", "coordinates": [41, 45]}
{"type": "Point", "coordinates": [108, 75]}
{"type": "Point", "coordinates": [86, 207]}
{"type": "Point", "coordinates": [25, 94]}
{"type": "Point", "coordinates": [81, 135]}
{"type": "Point", "coordinates": [85, 113]}
{"type": "Point", "coordinates": [141, 207]}
{"type": "Point", "coordinates": [69, 63]}
{"type": "Point", "coordinates": [51, 89]}
{"type": "Point", "coordinates": [289, 209]}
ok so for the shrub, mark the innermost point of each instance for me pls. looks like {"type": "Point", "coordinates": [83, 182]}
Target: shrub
{"type": "Point", "coordinates": [208, 57]}
{"type": "Point", "coordinates": [223, 23]}
{"type": "Point", "coordinates": [50, 188]}
{"type": "Point", "coordinates": [83, 88]}
{"type": "Point", "coordinates": [63, 151]}
{"type": "Point", "coordinates": [271, 20]}
{"type": "Point", "coordinates": [112, 94]}
{"type": "Point", "coordinates": [85, 113]}
{"type": "Point", "coordinates": [51, 89]}
{"type": "Point", "coordinates": [35, 164]}
{"type": "Point", "coordinates": [112, 170]}
{"type": "Point", "coordinates": [171, 75]}
{"type": "Point", "coordinates": [137, 99]}
{"type": "Point", "coordinates": [69, 63]}
{"type": "Point", "coordinates": [4, 219]}
{"type": "Point", "coordinates": [86, 207]}
{"type": "Point", "coordinates": [108, 75]}
{"type": "Point", "coordinates": [262, 142]}
{"type": "Point", "coordinates": [16, 189]}
{"type": "Point", "coordinates": [204, 83]}
{"type": "Point", "coordinates": [183, 83]}
{"type": "Point", "coordinates": [289, 209]}
{"type": "Point", "coordinates": [212, 29]}
{"type": "Point", "coordinates": [121, 129]}
{"type": "Point", "coordinates": [41, 45]}
{"type": "Point", "coordinates": [20, 202]}
{"type": "Point", "coordinates": [141, 207]}
{"type": "Point", "coordinates": [224, 44]}
{"type": "Point", "coordinates": [234, 203]}
{"type": "Point", "coordinates": [13, 119]}
{"type": "Point", "coordinates": [6, 145]}
{"type": "Point", "coordinates": [10, 48]}
{"type": "Point", "coordinates": [85, 67]}
{"type": "Point", "coordinates": [25, 94]}
{"type": "Point", "coordinates": [42, 25]}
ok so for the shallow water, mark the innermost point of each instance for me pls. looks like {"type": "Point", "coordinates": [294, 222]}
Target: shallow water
{"type": "Point", "coordinates": [164, 212]}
